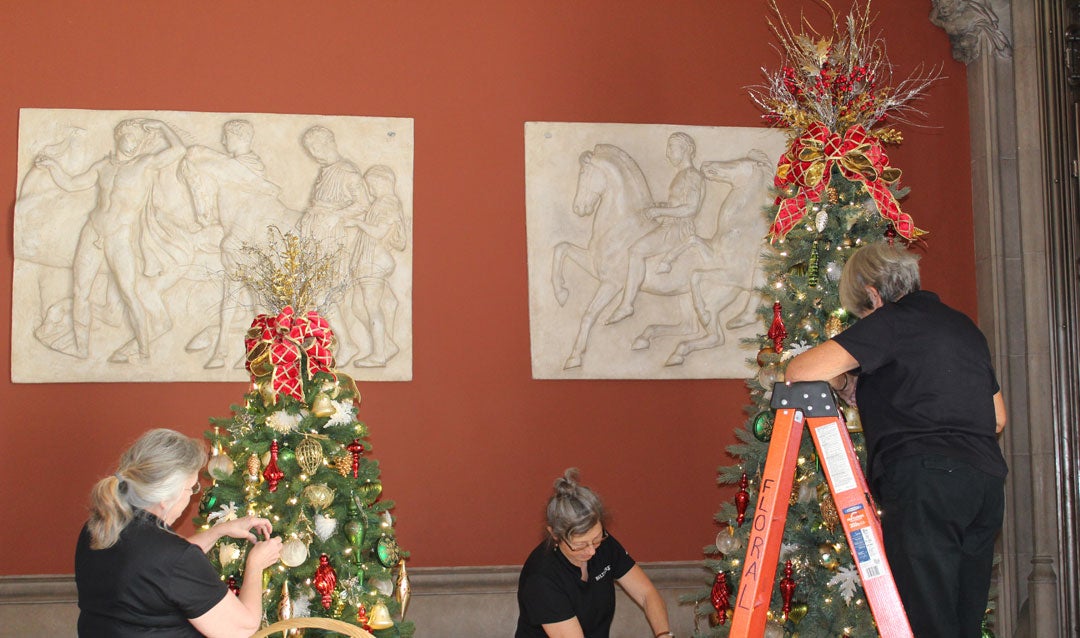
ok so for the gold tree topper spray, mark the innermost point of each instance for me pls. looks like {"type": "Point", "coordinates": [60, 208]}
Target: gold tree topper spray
{"type": "Point", "coordinates": [292, 269]}
{"type": "Point", "coordinates": [840, 80]}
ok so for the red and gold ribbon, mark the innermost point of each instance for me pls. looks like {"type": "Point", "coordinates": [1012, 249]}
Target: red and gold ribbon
{"type": "Point", "coordinates": [279, 346]}
{"type": "Point", "coordinates": [804, 172]}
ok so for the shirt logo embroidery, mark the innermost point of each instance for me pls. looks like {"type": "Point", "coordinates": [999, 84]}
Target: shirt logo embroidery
{"type": "Point", "coordinates": [602, 573]}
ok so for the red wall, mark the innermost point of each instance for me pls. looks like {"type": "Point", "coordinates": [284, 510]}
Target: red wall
{"type": "Point", "coordinates": [468, 448]}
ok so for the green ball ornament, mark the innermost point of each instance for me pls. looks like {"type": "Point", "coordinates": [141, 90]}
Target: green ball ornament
{"type": "Point", "coordinates": [387, 551]}
{"type": "Point", "coordinates": [763, 425]}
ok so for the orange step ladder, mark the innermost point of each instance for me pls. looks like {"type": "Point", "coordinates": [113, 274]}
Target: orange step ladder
{"type": "Point", "coordinates": [812, 403]}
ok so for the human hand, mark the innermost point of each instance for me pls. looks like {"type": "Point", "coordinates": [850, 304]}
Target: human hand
{"type": "Point", "coordinates": [44, 161]}
{"type": "Point", "coordinates": [242, 528]}
{"type": "Point", "coordinates": [264, 554]}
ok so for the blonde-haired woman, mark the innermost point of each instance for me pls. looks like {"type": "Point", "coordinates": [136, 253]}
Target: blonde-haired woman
{"type": "Point", "coordinates": [136, 576]}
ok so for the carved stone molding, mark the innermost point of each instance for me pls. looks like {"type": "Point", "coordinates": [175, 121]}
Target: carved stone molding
{"type": "Point", "coordinates": [971, 25]}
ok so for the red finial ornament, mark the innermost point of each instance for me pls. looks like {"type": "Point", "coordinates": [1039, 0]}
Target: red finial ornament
{"type": "Point", "coordinates": [325, 580]}
{"type": "Point", "coordinates": [357, 448]}
{"type": "Point", "coordinates": [787, 588]}
{"type": "Point", "coordinates": [719, 597]}
{"type": "Point", "coordinates": [361, 617]}
{"type": "Point", "coordinates": [890, 234]}
{"type": "Point", "coordinates": [742, 499]}
{"type": "Point", "coordinates": [777, 331]}
{"type": "Point", "coordinates": [233, 587]}
{"type": "Point", "coordinates": [272, 473]}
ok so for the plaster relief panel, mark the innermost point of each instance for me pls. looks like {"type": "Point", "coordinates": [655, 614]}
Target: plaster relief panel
{"type": "Point", "coordinates": [644, 244]}
{"type": "Point", "coordinates": [128, 225]}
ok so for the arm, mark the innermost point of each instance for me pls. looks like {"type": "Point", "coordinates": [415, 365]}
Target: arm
{"type": "Point", "coordinates": [241, 615]}
{"type": "Point", "coordinates": [999, 412]}
{"type": "Point", "coordinates": [638, 586]}
{"type": "Point", "coordinates": [685, 198]}
{"type": "Point", "coordinates": [236, 528]}
{"type": "Point", "coordinates": [65, 181]}
{"type": "Point", "coordinates": [566, 629]}
{"type": "Point", "coordinates": [826, 361]}
{"type": "Point", "coordinates": [176, 148]}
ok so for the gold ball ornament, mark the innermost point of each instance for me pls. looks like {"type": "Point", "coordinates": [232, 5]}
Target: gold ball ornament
{"type": "Point", "coordinates": [294, 552]}
{"type": "Point", "coordinates": [368, 491]}
{"type": "Point", "coordinates": [851, 418]}
{"type": "Point", "coordinates": [766, 356]}
{"type": "Point", "coordinates": [220, 467]}
{"type": "Point", "coordinates": [319, 496]}
{"type": "Point", "coordinates": [309, 455]}
{"type": "Point", "coordinates": [828, 558]}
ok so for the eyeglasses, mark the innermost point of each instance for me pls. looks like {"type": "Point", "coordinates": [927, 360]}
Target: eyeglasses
{"type": "Point", "coordinates": [586, 545]}
{"type": "Point", "coordinates": [195, 489]}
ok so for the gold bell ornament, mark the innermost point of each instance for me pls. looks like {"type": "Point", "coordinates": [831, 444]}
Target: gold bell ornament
{"type": "Point", "coordinates": [322, 406]}
{"type": "Point", "coordinates": [380, 617]}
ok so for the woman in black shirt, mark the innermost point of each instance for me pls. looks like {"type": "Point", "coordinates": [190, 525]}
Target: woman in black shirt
{"type": "Point", "coordinates": [136, 576]}
{"type": "Point", "coordinates": [931, 409]}
{"type": "Point", "coordinates": [567, 586]}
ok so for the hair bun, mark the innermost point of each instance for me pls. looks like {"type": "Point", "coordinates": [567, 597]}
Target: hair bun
{"type": "Point", "coordinates": [567, 484]}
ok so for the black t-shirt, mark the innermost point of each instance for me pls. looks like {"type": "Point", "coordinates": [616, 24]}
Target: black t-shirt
{"type": "Point", "coordinates": [150, 582]}
{"type": "Point", "coordinates": [550, 589]}
{"type": "Point", "coordinates": [926, 384]}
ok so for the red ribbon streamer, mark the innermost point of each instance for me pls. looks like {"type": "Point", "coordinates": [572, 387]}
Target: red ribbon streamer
{"type": "Point", "coordinates": [282, 340]}
{"type": "Point", "coordinates": [807, 166]}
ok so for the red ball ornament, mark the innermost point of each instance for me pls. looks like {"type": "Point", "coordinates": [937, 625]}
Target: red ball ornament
{"type": "Point", "coordinates": [325, 580]}
{"type": "Point", "coordinates": [356, 448]}
{"type": "Point", "coordinates": [742, 499]}
{"type": "Point", "coordinates": [719, 597]}
{"type": "Point", "coordinates": [272, 473]}
{"type": "Point", "coordinates": [787, 588]}
{"type": "Point", "coordinates": [777, 331]}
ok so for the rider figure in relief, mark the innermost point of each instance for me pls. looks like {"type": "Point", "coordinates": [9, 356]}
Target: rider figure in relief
{"type": "Point", "coordinates": [675, 232]}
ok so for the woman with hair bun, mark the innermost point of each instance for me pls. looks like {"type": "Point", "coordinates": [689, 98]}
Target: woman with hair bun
{"type": "Point", "coordinates": [135, 576]}
{"type": "Point", "coordinates": [567, 586]}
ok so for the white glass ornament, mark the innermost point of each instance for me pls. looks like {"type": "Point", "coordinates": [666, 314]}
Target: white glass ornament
{"type": "Point", "coordinates": [227, 553]}
{"type": "Point", "coordinates": [220, 467]}
{"type": "Point", "coordinates": [294, 552]}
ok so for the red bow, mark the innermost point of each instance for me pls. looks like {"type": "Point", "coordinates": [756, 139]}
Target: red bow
{"type": "Point", "coordinates": [807, 166]}
{"type": "Point", "coordinates": [278, 345]}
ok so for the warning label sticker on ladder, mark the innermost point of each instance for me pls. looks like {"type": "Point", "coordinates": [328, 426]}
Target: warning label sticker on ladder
{"type": "Point", "coordinates": [868, 555]}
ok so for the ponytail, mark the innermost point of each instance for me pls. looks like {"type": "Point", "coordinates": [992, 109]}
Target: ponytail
{"type": "Point", "coordinates": [152, 471]}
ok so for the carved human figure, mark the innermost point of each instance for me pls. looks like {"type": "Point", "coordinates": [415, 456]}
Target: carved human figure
{"type": "Point", "coordinates": [231, 190]}
{"type": "Point", "coordinates": [675, 230]}
{"type": "Point", "coordinates": [111, 236]}
{"type": "Point", "coordinates": [338, 196]}
{"type": "Point", "coordinates": [382, 230]}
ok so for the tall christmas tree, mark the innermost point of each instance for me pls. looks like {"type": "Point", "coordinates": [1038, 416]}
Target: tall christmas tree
{"type": "Point", "coordinates": [295, 453]}
{"type": "Point", "coordinates": [835, 191]}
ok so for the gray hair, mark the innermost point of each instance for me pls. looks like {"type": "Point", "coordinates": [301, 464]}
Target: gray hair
{"type": "Point", "coordinates": [151, 471]}
{"type": "Point", "coordinates": [573, 509]}
{"type": "Point", "coordinates": [893, 271]}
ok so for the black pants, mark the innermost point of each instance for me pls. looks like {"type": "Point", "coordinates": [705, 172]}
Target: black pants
{"type": "Point", "coordinates": [940, 517]}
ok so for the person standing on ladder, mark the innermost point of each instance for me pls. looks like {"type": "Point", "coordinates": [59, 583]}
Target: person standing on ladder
{"type": "Point", "coordinates": [931, 408]}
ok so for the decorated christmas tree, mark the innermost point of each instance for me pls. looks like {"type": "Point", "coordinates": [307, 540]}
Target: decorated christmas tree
{"type": "Point", "coordinates": [835, 191]}
{"type": "Point", "coordinates": [295, 453]}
